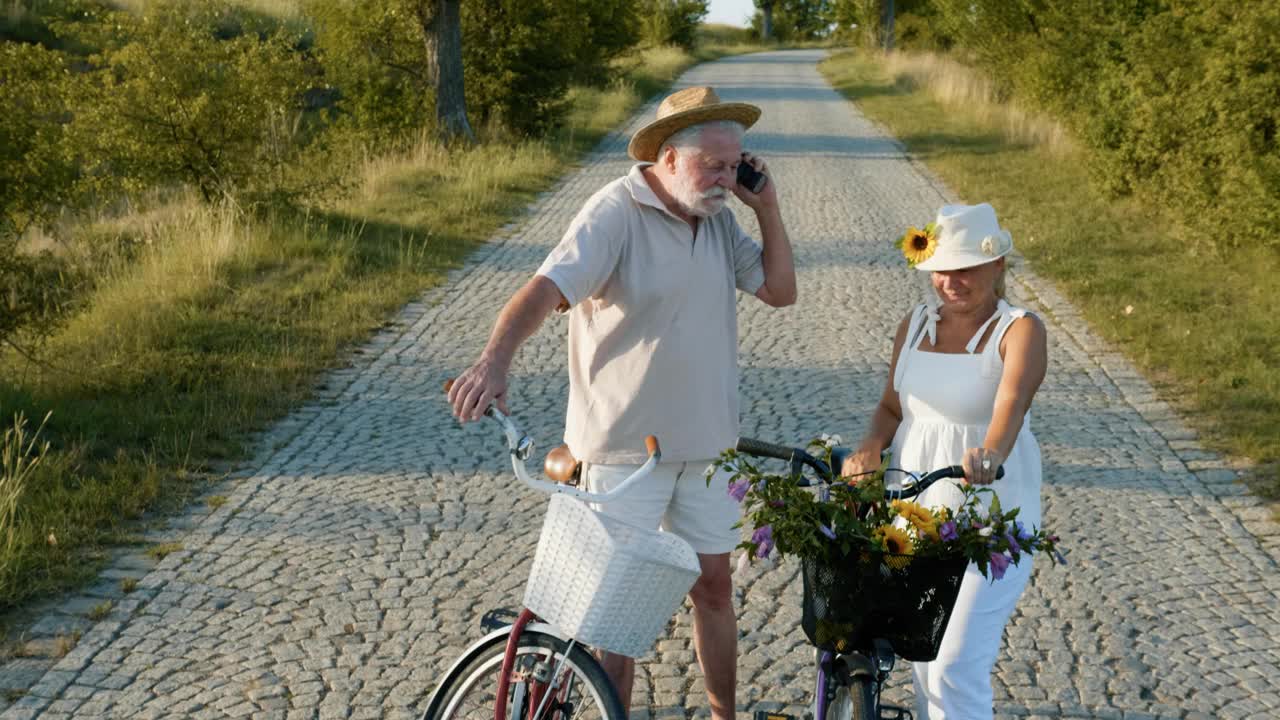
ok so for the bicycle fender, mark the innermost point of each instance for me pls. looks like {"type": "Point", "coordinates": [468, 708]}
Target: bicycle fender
{"type": "Point", "coordinates": [478, 648]}
{"type": "Point", "coordinates": [858, 664]}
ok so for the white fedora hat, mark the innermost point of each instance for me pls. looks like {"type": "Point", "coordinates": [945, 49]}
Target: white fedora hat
{"type": "Point", "coordinates": [962, 236]}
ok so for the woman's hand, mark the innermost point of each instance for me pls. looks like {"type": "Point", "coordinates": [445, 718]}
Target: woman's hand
{"type": "Point", "coordinates": [980, 465]}
{"type": "Point", "coordinates": [860, 463]}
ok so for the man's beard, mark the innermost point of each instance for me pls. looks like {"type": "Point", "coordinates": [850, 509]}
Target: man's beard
{"type": "Point", "coordinates": [703, 203]}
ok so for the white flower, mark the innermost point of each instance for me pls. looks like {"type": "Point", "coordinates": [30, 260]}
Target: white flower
{"type": "Point", "coordinates": [985, 532]}
{"type": "Point", "coordinates": [829, 441]}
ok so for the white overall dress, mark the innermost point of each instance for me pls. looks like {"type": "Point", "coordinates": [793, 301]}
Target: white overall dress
{"type": "Point", "coordinates": [947, 401]}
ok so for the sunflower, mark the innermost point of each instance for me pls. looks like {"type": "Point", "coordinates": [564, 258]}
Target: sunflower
{"type": "Point", "coordinates": [923, 521]}
{"type": "Point", "coordinates": [897, 545]}
{"type": "Point", "coordinates": [918, 245]}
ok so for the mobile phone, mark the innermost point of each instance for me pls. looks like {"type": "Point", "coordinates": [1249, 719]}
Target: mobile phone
{"type": "Point", "coordinates": [750, 179]}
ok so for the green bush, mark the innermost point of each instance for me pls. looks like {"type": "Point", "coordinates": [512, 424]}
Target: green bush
{"type": "Point", "coordinates": [796, 20]}
{"type": "Point", "coordinates": [605, 29]}
{"type": "Point", "coordinates": [517, 62]}
{"type": "Point", "coordinates": [183, 92]}
{"type": "Point", "coordinates": [519, 58]}
{"type": "Point", "coordinates": [35, 173]}
{"type": "Point", "coordinates": [671, 22]}
{"type": "Point", "coordinates": [1189, 113]}
{"type": "Point", "coordinates": [1178, 101]}
{"type": "Point", "coordinates": [36, 178]}
{"type": "Point", "coordinates": [374, 61]}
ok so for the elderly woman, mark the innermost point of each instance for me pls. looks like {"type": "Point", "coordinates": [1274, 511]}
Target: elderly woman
{"type": "Point", "coordinates": [963, 376]}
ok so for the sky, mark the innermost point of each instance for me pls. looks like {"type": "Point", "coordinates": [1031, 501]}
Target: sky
{"type": "Point", "coordinates": [731, 12]}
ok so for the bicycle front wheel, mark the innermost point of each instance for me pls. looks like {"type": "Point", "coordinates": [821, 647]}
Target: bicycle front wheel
{"type": "Point", "coordinates": [853, 701]}
{"type": "Point", "coordinates": [583, 691]}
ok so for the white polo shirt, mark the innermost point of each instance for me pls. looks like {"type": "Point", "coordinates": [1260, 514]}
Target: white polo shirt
{"type": "Point", "coordinates": [653, 325]}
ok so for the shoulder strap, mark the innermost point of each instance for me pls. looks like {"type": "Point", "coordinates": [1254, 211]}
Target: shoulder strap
{"type": "Point", "coordinates": [915, 328]}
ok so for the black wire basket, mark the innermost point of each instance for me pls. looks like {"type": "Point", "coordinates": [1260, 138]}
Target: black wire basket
{"type": "Point", "coordinates": [851, 599]}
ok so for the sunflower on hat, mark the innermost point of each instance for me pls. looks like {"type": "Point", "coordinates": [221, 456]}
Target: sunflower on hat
{"type": "Point", "coordinates": [918, 245]}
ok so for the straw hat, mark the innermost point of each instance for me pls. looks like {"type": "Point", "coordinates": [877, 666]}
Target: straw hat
{"type": "Point", "coordinates": [965, 236]}
{"type": "Point", "coordinates": [680, 110]}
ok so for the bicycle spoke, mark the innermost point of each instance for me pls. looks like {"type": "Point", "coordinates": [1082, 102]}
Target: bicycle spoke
{"type": "Point", "coordinates": [473, 696]}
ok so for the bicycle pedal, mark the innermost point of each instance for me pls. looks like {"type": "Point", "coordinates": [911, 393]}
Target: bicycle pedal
{"type": "Point", "coordinates": [893, 712]}
{"type": "Point", "coordinates": [498, 618]}
{"type": "Point", "coordinates": [769, 715]}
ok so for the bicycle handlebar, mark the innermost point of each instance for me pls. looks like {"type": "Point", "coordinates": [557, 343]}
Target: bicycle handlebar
{"type": "Point", "coordinates": [760, 448]}
{"type": "Point", "coordinates": [797, 457]}
{"type": "Point", "coordinates": [521, 447]}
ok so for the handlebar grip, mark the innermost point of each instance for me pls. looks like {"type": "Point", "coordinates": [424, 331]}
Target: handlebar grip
{"type": "Point", "coordinates": [761, 448]}
{"type": "Point", "coordinates": [651, 444]}
{"type": "Point", "coordinates": [957, 471]}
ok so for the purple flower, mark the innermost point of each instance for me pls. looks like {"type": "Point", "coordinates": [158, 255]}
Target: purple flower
{"type": "Point", "coordinates": [1014, 547]}
{"type": "Point", "coordinates": [763, 538]}
{"type": "Point", "coordinates": [1021, 531]}
{"type": "Point", "coordinates": [947, 531]}
{"type": "Point", "coordinates": [738, 489]}
{"type": "Point", "coordinates": [831, 534]}
{"type": "Point", "coordinates": [999, 563]}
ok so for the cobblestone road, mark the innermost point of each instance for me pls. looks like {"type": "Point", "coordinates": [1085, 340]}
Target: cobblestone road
{"type": "Point", "coordinates": [356, 553]}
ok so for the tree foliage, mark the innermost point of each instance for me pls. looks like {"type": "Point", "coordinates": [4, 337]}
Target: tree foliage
{"type": "Point", "coordinates": [517, 62]}
{"type": "Point", "coordinates": [1177, 100]}
{"type": "Point", "coordinates": [36, 178]}
{"type": "Point", "coordinates": [35, 172]}
{"type": "Point", "coordinates": [672, 22]}
{"type": "Point", "coordinates": [184, 92]}
{"type": "Point", "coordinates": [794, 20]}
{"type": "Point", "coordinates": [519, 57]}
{"type": "Point", "coordinates": [375, 62]}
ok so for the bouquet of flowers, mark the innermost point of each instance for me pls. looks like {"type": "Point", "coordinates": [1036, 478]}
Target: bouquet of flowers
{"type": "Point", "coordinates": [855, 519]}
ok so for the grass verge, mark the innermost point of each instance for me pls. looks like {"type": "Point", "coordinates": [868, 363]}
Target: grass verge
{"type": "Point", "coordinates": [1198, 321]}
{"type": "Point", "coordinates": [204, 325]}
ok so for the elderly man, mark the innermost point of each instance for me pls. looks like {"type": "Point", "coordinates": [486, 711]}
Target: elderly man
{"type": "Point", "coordinates": [648, 271]}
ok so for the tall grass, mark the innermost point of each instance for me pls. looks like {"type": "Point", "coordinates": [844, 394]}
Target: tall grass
{"type": "Point", "coordinates": [20, 454]}
{"type": "Point", "coordinates": [959, 88]}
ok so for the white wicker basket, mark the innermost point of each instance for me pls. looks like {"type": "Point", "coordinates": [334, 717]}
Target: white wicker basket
{"type": "Point", "coordinates": [605, 583]}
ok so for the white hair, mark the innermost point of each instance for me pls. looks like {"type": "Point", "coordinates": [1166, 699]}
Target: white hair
{"type": "Point", "coordinates": [691, 137]}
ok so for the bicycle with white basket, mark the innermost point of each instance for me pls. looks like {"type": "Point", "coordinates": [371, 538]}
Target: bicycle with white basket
{"type": "Point", "coordinates": [537, 664]}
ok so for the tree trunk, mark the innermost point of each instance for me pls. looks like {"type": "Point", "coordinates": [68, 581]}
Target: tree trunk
{"type": "Point", "coordinates": [766, 25]}
{"type": "Point", "coordinates": [442, 28]}
{"type": "Point", "coordinates": [886, 24]}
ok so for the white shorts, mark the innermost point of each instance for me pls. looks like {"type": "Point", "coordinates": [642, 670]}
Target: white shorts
{"type": "Point", "coordinates": [675, 498]}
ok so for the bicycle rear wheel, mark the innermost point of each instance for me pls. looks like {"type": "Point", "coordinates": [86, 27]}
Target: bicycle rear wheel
{"type": "Point", "coordinates": [854, 700]}
{"type": "Point", "coordinates": [584, 691]}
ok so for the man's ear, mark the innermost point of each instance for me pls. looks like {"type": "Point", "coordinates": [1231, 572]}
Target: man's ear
{"type": "Point", "coordinates": [668, 159]}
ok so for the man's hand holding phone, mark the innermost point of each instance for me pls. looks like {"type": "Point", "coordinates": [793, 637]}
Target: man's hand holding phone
{"type": "Point", "coordinates": [755, 188]}
{"type": "Point", "coordinates": [750, 179]}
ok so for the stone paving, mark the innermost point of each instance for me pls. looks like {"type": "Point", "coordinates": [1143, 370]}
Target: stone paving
{"type": "Point", "coordinates": [356, 553]}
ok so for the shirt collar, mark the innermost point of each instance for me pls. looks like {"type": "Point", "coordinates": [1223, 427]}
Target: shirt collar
{"type": "Point", "coordinates": [641, 192]}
